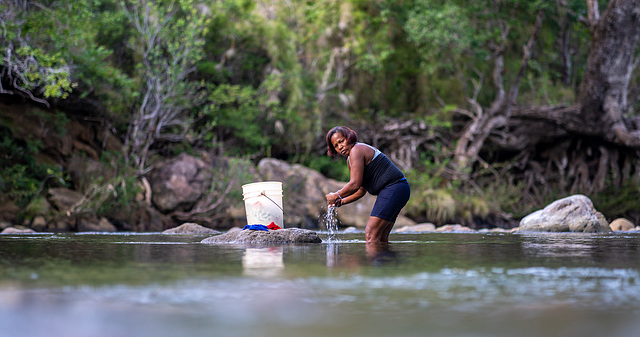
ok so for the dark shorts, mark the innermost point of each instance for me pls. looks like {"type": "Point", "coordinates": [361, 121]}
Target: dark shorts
{"type": "Point", "coordinates": [391, 200]}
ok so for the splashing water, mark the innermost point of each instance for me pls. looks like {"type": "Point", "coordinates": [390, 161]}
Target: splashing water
{"type": "Point", "coordinates": [331, 222]}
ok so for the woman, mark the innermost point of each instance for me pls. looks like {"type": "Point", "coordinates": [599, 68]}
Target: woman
{"type": "Point", "coordinates": [369, 171]}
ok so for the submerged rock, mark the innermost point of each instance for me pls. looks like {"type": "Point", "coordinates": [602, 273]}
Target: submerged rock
{"type": "Point", "coordinates": [190, 228]}
{"type": "Point", "coordinates": [286, 235]}
{"type": "Point", "coordinates": [571, 214]}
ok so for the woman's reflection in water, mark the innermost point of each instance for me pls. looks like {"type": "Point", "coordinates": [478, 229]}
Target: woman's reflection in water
{"type": "Point", "coordinates": [379, 253]}
{"type": "Point", "coordinates": [376, 254]}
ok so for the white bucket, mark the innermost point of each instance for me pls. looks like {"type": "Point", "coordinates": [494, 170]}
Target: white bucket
{"type": "Point", "coordinates": [263, 203]}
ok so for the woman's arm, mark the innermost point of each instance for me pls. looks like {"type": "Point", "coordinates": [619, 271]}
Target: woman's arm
{"type": "Point", "coordinates": [353, 190]}
{"type": "Point", "coordinates": [335, 199]}
{"type": "Point", "coordinates": [356, 171]}
{"type": "Point", "coordinates": [359, 194]}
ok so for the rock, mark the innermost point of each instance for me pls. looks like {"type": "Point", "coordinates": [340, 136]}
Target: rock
{"type": "Point", "coordinates": [454, 228]}
{"type": "Point", "coordinates": [253, 237]}
{"type": "Point", "coordinates": [39, 223]}
{"type": "Point", "coordinates": [621, 224]}
{"type": "Point", "coordinates": [8, 211]}
{"type": "Point", "coordinates": [95, 225]}
{"type": "Point", "coordinates": [571, 214]}
{"type": "Point", "coordinates": [14, 230]}
{"type": "Point", "coordinates": [61, 225]}
{"type": "Point", "coordinates": [351, 229]}
{"type": "Point", "coordinates": [141, 217]}
{"type": "Point", "coordinates": [420, 228]}
{"type": "Point", "coordinates": [190, 228]}
{"type": "Point", "coordinates": [63, 198]}
{"type": "Point", "coordinates": [178, 183]}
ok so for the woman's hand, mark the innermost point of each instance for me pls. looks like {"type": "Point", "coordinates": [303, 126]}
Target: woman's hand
{"type": "Point", "coordinates": [333, 200]}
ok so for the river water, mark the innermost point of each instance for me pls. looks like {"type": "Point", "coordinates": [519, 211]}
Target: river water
{"type": "Point", "coordinates": [437, 284]}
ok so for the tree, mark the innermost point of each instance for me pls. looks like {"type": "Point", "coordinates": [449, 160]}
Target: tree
{"type": "Point", "coordinates": [582, 147]}
{"type": "Point", "coordinates": [170, 44]}
{"type": "Point", "coordinates": [26, 69]}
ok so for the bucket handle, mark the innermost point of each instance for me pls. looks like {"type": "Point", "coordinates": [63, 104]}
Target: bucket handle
{"type": "Point", "coordinates": [275, 203]}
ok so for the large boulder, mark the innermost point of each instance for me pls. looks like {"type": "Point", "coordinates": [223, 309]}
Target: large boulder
{"type": "Point", "coordinates": [304, 191]}
{"type": "Point", "coordinates": [258, 237]}
{"type": "Point", "coordinates": [178, 183]}
{"type": "Point", "coordinates": [571, 214]}
{"type": "Point", "coordinates": [205, 190]}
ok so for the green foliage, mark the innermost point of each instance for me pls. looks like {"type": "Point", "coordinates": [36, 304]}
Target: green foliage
{"type": "Point", "coordinates": [263, 53]}
{"type": "Point", "coordinates": [225, 187]}
{"type": "Point", "coordinates": [434, 205]}
{"type": "Point", "coordinates": [269, 78]}
{"type": "Point", "coordinates": [116, 196]}
{"type": "Point", "coordinates": [334, 168]}
{"type": "Point", "coordinates": [38, 206]}
{"type": "Point", "coordinates": [618, 201]}
{"type": "Point", "coordinates": [49, 70]}
{"type": "Point", "coordinates": [21, 178]}
{"type": "Point", "coordinates": [51, 49]}
{"type": "Point", "coordinates": [238, 109]}
{"type": "Point", "coordinates": [440, 32]}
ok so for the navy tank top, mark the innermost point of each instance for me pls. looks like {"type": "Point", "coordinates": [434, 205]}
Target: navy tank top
{"type": "Point", "coordinates": [379, 173]}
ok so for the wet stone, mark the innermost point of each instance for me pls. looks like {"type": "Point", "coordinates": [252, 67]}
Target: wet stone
{"type": "Point", "coordinates": [286, 235]}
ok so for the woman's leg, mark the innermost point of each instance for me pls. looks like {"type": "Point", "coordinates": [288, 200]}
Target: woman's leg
{"type": "Point", "coordinates": [387, 231]}
{"type": "Point", "coordinates": [388, 205]}
{"type": "Point", "coordinates": [377, 230]}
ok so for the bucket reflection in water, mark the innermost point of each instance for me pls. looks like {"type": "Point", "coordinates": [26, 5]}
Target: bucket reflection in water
{"type": "Point", "coordinates": [264, 262]}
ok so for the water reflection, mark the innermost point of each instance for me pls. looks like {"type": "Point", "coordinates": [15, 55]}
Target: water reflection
{"type": "Point", "coordinates": [263, 262]}
{"type": "Point", "coordinates": [612, 250]}
{"type": "Point", "coordinates": [379, 253]}
{"type": "Point", "coordinates": [332, 254]}
{"type": "Point", "coordinates": [375, 254]}
{"type": "Point", "coordinates": [559, 245]}
{"type": "Point", "coordinates": [337, 258]}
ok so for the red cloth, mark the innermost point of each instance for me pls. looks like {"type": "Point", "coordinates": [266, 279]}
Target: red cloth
{"type": "Point", "coordinates": [273, 226]}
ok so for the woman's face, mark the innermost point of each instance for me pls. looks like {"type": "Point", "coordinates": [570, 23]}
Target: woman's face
{"type": "Point", "coordinates": [340, 144]}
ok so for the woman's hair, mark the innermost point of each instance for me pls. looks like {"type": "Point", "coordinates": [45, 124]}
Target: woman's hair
{"type": "Point", "coordinates": [349, 134]}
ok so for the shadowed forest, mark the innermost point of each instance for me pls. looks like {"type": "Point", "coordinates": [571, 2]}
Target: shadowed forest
{"type": "Point", "coordinates": [492, 108]}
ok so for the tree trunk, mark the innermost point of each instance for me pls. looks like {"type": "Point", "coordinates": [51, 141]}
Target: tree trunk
{"type": "Point", "coordinates": [603, 91]}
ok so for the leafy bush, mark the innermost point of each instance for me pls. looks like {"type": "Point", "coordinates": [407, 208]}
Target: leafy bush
{"type": "Point", "coordinates": [21, 178]}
